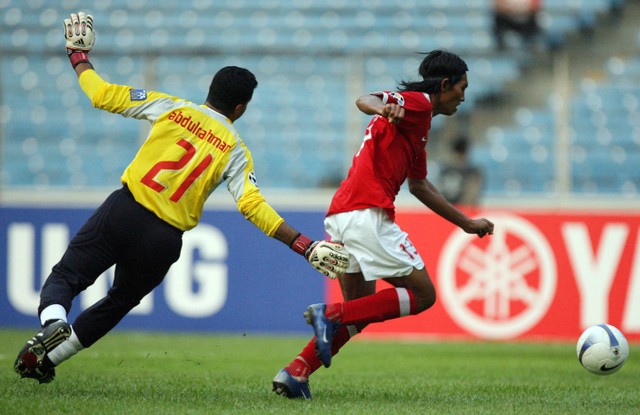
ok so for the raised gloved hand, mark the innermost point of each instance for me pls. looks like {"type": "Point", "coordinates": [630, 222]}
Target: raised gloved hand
{"type": "Point", "coordinates": [329, 258]}
{"type": "Point", "coordinates": [79, 36]}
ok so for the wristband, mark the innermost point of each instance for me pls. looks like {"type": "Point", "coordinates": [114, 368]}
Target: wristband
{"type": "Point", "coordinates": [301, 244]}
{"type": "Point", "coordinates": [77, 57]}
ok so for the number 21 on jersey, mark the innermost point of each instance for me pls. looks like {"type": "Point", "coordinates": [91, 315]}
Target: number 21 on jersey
{"type": "Point", "coordinates": [149, 179]}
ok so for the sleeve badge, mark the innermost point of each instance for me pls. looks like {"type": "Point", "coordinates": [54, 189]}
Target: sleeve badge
{"type": "Point", "coordinates": [138, 94]}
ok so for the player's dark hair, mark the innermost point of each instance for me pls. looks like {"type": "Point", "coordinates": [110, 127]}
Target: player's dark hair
{"type": "Point", "coordinates": [435, 67]}
{"type": "Point", "coordinates": [231, 86]}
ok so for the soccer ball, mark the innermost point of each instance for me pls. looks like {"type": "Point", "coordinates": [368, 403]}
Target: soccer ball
{"type": "Point", "coordinates": [602, 349]}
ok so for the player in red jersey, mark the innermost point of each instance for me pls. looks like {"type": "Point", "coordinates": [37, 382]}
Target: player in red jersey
{"type": "Point", "coordinates": [191, 150]}
{"type": "Point", "coordinates": [361, 216]}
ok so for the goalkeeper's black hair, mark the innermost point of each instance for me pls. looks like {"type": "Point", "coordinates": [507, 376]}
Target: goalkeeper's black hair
{"type": "Point", "coordinates": [436, 66]}
{"type": "Point", "coordinates": [230, 87]}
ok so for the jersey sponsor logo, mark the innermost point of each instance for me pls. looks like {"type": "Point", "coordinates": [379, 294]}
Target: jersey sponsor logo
{"type": "Point", "coordinates": [138, 94]}
{"type": "Point", "coordinates": [194, 127]}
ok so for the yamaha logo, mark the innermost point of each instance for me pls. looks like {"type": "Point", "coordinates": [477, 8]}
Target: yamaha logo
{"type": "Point", "coordinates": [501, 286]}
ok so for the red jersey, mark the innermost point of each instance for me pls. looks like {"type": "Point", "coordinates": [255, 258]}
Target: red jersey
{"type": "Point", "coordinates": [389, 154]}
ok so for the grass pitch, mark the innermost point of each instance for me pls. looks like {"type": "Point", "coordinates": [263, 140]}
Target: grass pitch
{"type": "Point", "coordinates": [135, 373]}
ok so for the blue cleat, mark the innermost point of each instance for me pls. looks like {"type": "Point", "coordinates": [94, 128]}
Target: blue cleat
{"type": "Point", "coordinates": [324, 330]}
{"type": "Point", "coordinates": [286, 385]}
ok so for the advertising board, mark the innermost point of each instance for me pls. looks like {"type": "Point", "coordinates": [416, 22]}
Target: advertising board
{"type": "Point", "coordinates": [542, 275]}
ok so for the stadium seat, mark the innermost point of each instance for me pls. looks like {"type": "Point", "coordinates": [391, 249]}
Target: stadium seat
{"type": "Point", "coordinates": [330, 51]}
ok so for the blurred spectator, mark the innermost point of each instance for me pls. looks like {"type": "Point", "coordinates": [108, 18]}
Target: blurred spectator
{"type": "Point", "coordinates": [520, 16]}
{"type": "Point", "coordinates": [460, 181]}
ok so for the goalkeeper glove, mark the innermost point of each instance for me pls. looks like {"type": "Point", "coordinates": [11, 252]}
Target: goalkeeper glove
{"type": "Point", "coordinates": [79, 36]}
{"type": "Point", "coordinates": [329, 258]}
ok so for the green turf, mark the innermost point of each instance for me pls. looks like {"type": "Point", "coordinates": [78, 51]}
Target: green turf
{"type": "Point", "coordinates": [134, 373]}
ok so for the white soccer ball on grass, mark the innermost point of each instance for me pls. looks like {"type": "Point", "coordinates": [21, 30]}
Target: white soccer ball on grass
{"type": "Point", "coordinates": [602, 349]}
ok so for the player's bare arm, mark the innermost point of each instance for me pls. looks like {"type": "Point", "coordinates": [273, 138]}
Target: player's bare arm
{"type": "Point", "coordinates": [372, 105]}
{"type": "Point", "coordinates": [431, 197]}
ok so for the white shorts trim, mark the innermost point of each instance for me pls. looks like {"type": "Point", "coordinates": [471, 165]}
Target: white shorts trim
{"type": "Point", "coordinates": [378, 247]}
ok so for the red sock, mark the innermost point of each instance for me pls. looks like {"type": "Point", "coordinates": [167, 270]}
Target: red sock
{"type": "Point", "coordinates": [383, 305]}
{"type": "Point", "coordinates": [299, 367]}
{"type": "Point", "coordinates": [334, 312]}
{"type": "Point", "coordinates": [307, 361]}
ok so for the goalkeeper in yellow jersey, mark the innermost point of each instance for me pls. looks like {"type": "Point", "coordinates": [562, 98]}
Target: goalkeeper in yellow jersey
{"type": "Point", "coordinates": [191, 149]}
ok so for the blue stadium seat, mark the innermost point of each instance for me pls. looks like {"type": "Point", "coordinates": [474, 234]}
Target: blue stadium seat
{"type": "Point", "coordinates": [305, 54]}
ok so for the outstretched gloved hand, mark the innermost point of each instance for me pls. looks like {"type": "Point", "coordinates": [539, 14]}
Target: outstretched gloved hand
{"type": "Point", "coordinates": [79, 37]}
{"type": "Point", "coordinates": [329, 258]}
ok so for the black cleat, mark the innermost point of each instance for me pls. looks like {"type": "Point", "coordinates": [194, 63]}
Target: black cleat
{"type": "Point", "coordinates": [32, 361]}
{"type": "Point", "coordinates": [41, 374]}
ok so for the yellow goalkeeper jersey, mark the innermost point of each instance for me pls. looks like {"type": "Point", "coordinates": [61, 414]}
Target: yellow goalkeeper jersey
{"type": "Point", "coordinates": [191, 149]}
